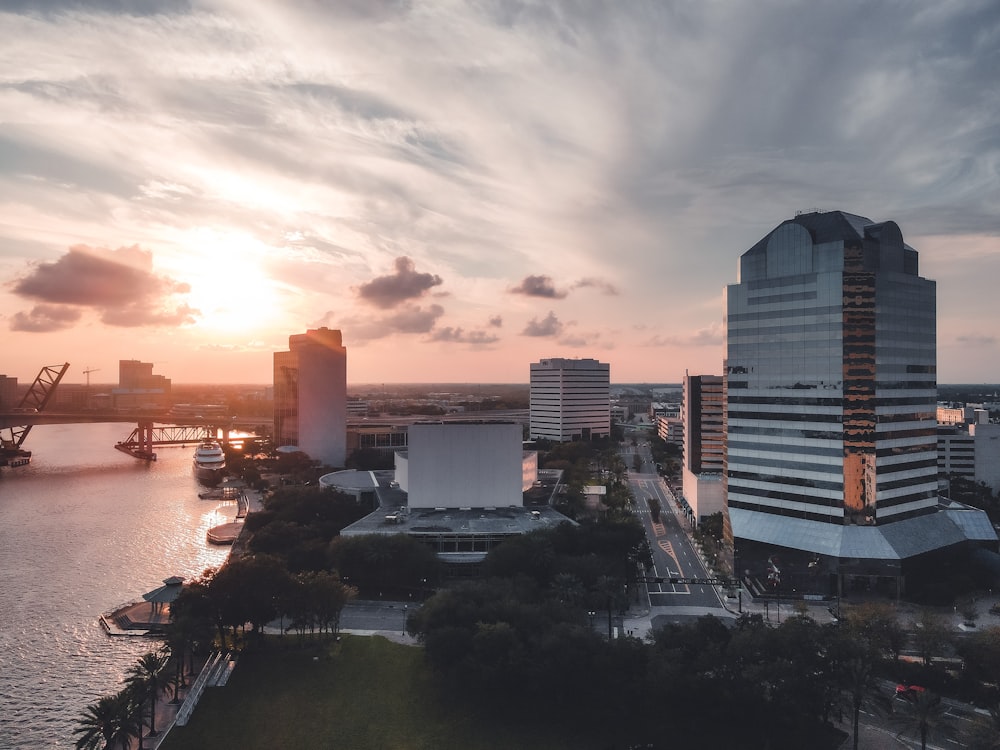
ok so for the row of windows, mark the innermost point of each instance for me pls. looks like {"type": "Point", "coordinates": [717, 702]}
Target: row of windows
{"type": "Point", "coordinates": [836, 469]}
{"type": "Point", "coordinates": [757, 315]}
{"type": "Point", "coordinates": [773, 299]}
{"type": "Point", "coordinates": [786, 432]}
{"type": "Point", "coordinates": [900, 450]}
{"type": "Point", "coordinates": [736, 488]}
{"type": "Point", "coordinates": [838, 401]}
{"type": "Point", "coordinates": [790, 481]}
{"type": "Point", "coordinates": [928, 494]}
{"type": "Point", "coordinates": [783, 416]}
{"type": "Point", "coordinates": [800, 450]}
{"type": "Point", "coordinates": [775, 283]}
{"type": "Point", "coordinates": [795, 513]}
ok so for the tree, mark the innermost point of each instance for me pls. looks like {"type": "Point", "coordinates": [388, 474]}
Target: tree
{"type": "Point", "coordinates": [113, 720]}
{"type": "Point", "coordinates": [931, 636]}
{"type": "Point", "coordinates": [985, 733]}
{"type": "Point", "coordinates": [327, 596]}
{"type": "Point", "coordinates": [99, 724]}
{"type": "Point", "coordinates": [376, 564]}
{"type": "Point", "coordinates": [861, 686]}
{"type": "Point", "coordinates": [146, 677]}
{"type": "Point", "coordinates": [922, 713]}
{"type": "Point", "coordinates": [980, 653]}
{"type": "Point", "coordinates": [876, 624]}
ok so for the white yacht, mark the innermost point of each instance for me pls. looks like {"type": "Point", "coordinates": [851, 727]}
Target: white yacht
{"type": "Point", "coordinates": [209, 461]}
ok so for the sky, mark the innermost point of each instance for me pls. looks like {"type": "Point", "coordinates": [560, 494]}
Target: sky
{"type": "Point", "coordinates": [463, 188]}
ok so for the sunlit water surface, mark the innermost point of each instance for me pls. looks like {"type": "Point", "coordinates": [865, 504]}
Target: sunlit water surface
{"type": "Point", "coordinates": [84, 528]}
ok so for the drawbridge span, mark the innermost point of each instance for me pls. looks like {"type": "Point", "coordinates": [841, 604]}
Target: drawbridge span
{"type": "Point", "coordinates": [146, 436]}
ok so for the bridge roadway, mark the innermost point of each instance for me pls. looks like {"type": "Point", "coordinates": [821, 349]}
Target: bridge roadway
{"type": "Point", "coordinates": [25, 419]}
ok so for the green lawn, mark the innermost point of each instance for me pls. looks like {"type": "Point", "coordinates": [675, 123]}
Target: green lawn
{"type": "Point", "coordinates": [365, 692]}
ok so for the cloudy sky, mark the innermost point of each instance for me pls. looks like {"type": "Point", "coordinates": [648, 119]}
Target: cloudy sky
{"type": "Point", "coordinates": [465, 187]}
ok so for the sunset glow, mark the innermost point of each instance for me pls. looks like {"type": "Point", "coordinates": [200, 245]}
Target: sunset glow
{"type": "Point", "coordinates": [463, 189]}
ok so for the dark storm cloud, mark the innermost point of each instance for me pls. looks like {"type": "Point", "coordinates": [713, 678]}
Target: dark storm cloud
{"type": "Point", "coordinates": [538, 286]}
{"type": "Point", "coordinates": [547, 326]}
{"type": "Point", "coordinates": [119, 284]}
{"type": "Point", "coordinates": [496, 321]}
{"type": "Point", "coordinates": [45, 318]}
{"type": "Point", "coordinates": [388, 291]}
{"type": "Point", "coordinates": [460, 336]}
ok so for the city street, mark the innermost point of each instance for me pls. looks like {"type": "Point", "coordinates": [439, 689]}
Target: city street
{"type": "Point", "coordinates": [673, 553]}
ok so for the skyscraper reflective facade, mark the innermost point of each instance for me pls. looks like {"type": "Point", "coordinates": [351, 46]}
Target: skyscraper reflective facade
{"type": "Point", "coordinates": [831, 397]}
{"type": "Point", "coordinates": [310, 395]}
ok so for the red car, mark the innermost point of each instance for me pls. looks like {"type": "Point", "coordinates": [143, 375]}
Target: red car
{"type": "Point", "coordinates": [908, 691]}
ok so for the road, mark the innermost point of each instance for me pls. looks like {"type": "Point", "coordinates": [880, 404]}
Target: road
{"type": "Point", "coordinates": [673, 553]}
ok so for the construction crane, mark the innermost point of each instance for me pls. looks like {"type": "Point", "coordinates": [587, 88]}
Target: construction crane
{"type": "Point", "coordinates": [87, 373]}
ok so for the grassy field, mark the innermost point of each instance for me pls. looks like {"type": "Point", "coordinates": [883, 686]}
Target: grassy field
{"type": "Point", "coordinates": [364, 693]}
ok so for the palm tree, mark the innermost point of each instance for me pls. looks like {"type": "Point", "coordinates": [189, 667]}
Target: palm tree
{"type": "Point", "coordinates": [922, 713]}
{"type": "Point", "coordinates": [146, 677]}
{"type": "Point", "coordinates": [113, 720]}
{"type": "Point", "coordinates": [98, 724]}
{"type": "Point", "coordinates": [859, 683]}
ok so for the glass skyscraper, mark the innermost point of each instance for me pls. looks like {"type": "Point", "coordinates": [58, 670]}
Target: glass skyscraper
{"type": "Point", "coordinates": [830, 416]}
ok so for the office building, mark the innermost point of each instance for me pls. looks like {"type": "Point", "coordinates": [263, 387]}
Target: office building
{"type": "Point", "coordinates": [310, 395]}
{"type": "Point", "coordinates": [701, 475]}
{"type": "Point", "coordinates": [970, 451]}
{"type": "Point", "coordinates": [831, 436]}
{"type": "Point", "coordinates": [139, 388]}
{"type": "Point", "coordinates": [570, 399]}
{"type": "Point", "coordinates": [8, 393]}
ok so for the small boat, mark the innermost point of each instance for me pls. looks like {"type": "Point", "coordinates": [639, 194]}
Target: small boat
{"type": "Point", "coordinates": [209, 463]}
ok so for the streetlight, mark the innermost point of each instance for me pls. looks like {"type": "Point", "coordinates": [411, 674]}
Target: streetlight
{"type": "Point", "coordinates": [404, 619]}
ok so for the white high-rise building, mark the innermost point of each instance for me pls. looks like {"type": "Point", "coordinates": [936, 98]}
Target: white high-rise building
{"type": "Point", "coordinates": [570, 399]}
{"type": "Point", "coordinates": [310, 395]}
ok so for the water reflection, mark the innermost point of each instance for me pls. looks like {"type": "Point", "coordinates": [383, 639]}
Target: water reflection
{"type": "Point", "coordinates": [84, 528]}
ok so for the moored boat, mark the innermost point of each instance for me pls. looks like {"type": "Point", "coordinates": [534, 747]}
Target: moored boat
{"type": "Point", "coordinates": [209, 462]}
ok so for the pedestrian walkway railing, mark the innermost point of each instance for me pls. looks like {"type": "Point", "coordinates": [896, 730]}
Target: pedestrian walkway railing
{"type": "Point", "coordinates": [217, 664]}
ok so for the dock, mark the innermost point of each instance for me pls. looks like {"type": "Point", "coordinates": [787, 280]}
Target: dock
{"type": "Point", "coordinates": [225, 533]}
{"type": "Point", "coordinates": [136, 619]}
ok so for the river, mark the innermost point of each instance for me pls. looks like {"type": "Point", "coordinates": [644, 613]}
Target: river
{"type": "Point", "coordinates": [84, 528]}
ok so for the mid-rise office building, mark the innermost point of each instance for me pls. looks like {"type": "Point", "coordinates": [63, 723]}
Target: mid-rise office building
{"type": "Point", "coordinates": [570, 399]}
{"type": "Point", "coordinates": [701, 476]}
{"type": "Point", "coordinates": [139, 387]}
{"type": "Point", "coordinates": [310, 395]}
{"type": "Point", "coordinates": [971, 452]}
{"type": "Point", "coordinates": [831, 436]}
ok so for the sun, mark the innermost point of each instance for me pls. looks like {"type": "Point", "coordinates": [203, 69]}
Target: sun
{"type": "Point", "coordinates": [230, 289]}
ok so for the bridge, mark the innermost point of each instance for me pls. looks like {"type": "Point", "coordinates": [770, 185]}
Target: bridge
{"type": "Point", "coordinates": [152, 429]}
